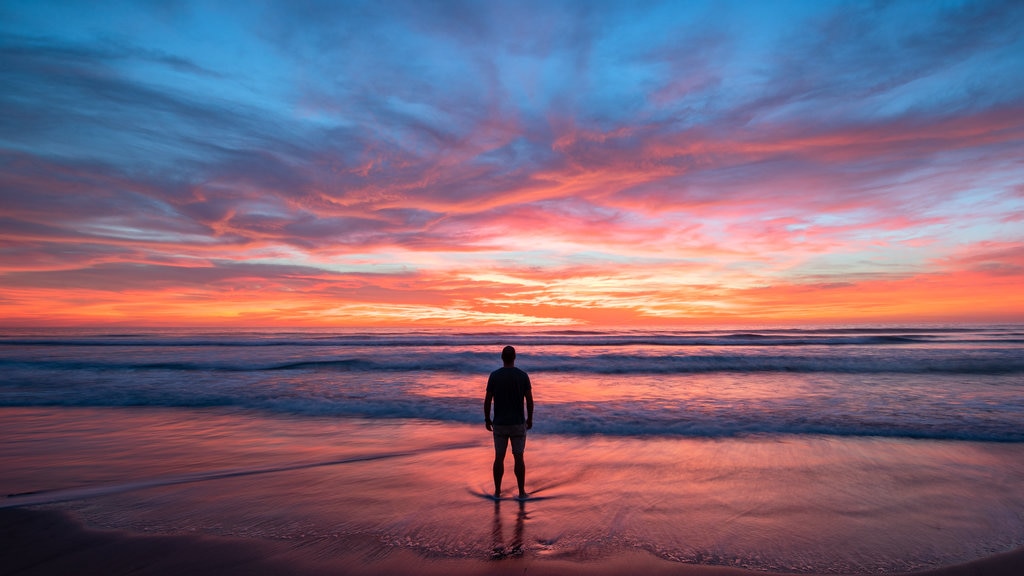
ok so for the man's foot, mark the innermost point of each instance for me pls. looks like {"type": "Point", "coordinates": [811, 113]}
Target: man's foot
{"type": "Point", "coordinates": [497, 494]}
{"type": "Point", "coordinates": [522, 496]}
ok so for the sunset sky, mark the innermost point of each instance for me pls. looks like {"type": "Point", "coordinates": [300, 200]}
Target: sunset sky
{"type": "Point", "coordinates": [517, 163]}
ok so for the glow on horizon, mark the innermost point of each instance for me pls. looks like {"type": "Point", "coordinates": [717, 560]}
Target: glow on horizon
{"type": "Point", "coordinates": [526, 164]}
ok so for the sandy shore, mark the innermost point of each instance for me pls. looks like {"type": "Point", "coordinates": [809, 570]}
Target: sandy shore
{"type": "Point", "coordinates": [100, 491]}
{"type": "Point", "coordinates": [45, 542]}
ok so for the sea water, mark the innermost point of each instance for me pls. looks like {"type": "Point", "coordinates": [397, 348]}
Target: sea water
{"type": "Point", "coordinates": [940, 382]}
{"type": "Point", "coordinates": [814, 449]}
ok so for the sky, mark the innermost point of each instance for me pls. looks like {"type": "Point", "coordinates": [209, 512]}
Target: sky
{"type": "Point", "coordinates": [587, 163]}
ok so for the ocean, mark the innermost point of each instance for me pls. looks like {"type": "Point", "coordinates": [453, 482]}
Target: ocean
{"type": "Point", "coordinates": [908, 382]}
{"type": "Point", "coordinates": [827, 450]}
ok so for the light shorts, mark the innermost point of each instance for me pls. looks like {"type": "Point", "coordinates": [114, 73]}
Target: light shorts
{"type": "Point", "coordinates": [506, 433]}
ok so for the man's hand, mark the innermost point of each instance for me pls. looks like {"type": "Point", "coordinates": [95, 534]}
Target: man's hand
{"type": "Point", "coordinates": [529, 422]}
{"type": "Point", "coordinates": [487, 410]}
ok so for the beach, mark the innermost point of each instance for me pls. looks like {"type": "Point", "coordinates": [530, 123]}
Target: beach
{"type": "Point", "coordinates": [790, 451]}
{"type": "Point", "coordinates": [159, 491]}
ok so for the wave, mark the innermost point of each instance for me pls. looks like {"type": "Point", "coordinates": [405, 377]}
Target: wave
{"type": "Point", "coordinates": [578, 338]}
{"type": "Point", "coordinates": [940, 361]}
{"type": "Point", "coordinates": [54, 496]}
{"type": "Point", "coordinates": [616, 418]}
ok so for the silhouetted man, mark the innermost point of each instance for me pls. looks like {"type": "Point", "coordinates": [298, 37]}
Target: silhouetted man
{"type": "Point", "coordinates": [509, 388]}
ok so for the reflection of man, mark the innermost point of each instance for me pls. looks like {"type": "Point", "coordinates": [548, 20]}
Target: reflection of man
{"type": "Point", "coordinates": [515, 548]}
{"type": "Point", "coordinates": [509, 388]}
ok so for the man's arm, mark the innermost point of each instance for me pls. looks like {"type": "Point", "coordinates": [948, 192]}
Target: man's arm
{"type": "Point", "coordinates": [487, 409]}
{"type": "Point", "coordinates": [529, 409]}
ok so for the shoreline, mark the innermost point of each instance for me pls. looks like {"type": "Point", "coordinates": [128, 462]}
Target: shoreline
{"type": "Point", "coordinates": [37, 542]}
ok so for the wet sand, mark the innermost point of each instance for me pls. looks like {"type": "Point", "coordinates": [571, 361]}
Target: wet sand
{"type": "Point", "coordinates": [119, 491]}
{"type": "Point", "coordinates": [47, 543]}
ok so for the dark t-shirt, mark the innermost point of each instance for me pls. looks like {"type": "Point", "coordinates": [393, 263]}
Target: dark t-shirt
{"type": "Point", "coordinates": [508, 386]}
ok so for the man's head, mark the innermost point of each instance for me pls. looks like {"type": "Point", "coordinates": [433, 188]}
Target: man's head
{"type": "Point", "coordinates": [508, 355]}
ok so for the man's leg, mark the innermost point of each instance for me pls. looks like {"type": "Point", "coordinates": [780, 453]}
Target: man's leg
{"type": "Point", "coordinates": [500, 447]}
{"type": "Point", "coordinates": [518, 449]}
{"type": "Point", "coordinates": [520, 470]}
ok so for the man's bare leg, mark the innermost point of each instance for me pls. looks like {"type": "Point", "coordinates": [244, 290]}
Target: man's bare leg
{"type": "Point", "coordinates": [499, 471]}
{"type": "Point", "coordinates": [520, 470]}
{"type": "Point", "coordinates": [500, 448]}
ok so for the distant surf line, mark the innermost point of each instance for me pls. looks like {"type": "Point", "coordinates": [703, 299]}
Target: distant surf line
{"type": "Point", "coordinates": [894, 335]}
{"type": "Point", "coordinates": [997, 361]}
{"type": "Point", "coordinates": [52, 496]}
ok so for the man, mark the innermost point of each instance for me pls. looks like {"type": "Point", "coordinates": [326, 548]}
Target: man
{"type": "Point", "coordinates": [509, 388]}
